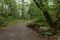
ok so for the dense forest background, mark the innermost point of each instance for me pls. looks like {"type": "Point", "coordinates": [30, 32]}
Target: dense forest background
{"type": "Point", "coordinates": [11, 10]}
{"type": "Point", "coordinates": [42, 12]}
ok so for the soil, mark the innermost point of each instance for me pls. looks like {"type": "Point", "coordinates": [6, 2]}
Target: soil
{"type": "Point", "coordinates": [22, 32]}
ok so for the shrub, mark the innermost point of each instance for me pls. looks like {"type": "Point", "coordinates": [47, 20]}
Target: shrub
{"type": "Point", "coordinates": [34, 25]}
{"type": "Point", "coordinates": [44, 30]}
{"type": "Point", "coordinates": [2, 21]}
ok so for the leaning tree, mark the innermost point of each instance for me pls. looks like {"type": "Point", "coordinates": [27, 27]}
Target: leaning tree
{"type": "Point", "coordinates": [55, 25]}
{"type": "Point", "coordinates": [58, 15]}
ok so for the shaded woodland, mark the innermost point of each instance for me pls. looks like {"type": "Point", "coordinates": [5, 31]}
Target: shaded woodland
{"type": "Point", "coordinates": [43, 14]}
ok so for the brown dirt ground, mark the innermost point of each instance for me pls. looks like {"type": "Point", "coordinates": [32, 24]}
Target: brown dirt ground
{"type": "Point", "coordinates": [21, 32]}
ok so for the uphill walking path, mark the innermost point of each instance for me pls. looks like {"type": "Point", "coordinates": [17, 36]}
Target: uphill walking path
{"type": "Point", "coordinates": [19, 31]}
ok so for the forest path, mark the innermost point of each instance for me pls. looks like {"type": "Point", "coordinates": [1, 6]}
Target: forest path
{"type": "Point", "coordinates": [19, 32]}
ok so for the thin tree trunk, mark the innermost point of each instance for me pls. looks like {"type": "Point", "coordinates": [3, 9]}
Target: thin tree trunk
{"type": "Point", "coordinates": [22, 17]}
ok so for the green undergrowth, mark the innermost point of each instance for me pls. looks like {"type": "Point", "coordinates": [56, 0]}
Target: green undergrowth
{"type": "Point", "coordinates": [11, 22]}
{"type": "Point", "coordinates": [59, 38]}
{"type": "Point", "coordinates": [43, 29]}
{"type": "Point", "coordinates": [14, 22]}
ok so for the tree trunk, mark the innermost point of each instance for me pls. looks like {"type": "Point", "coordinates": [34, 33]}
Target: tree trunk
{"type": "Point", "coordinates": [46, 14]}
{"type": "Point", "coordinates": [58, 16]}
{"type": "Point", "coordinates": [49, 19]}
{"type": "Point", "coordinates": [22, 16]}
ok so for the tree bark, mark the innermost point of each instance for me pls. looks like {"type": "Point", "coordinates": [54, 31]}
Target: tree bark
{"type": "Point", "coordinates": [58, 16]}
{"type": "Point", "coordinates": [46, 14]}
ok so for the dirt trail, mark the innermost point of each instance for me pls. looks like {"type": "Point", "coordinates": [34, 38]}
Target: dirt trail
{"type": "Point", "coordinates": [19, 32]}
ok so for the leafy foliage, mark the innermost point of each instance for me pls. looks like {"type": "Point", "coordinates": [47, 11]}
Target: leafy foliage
{"type": "Point", "coordinates": [50, 6]}
{"type": "Point", "coordinates": [8, 12]}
